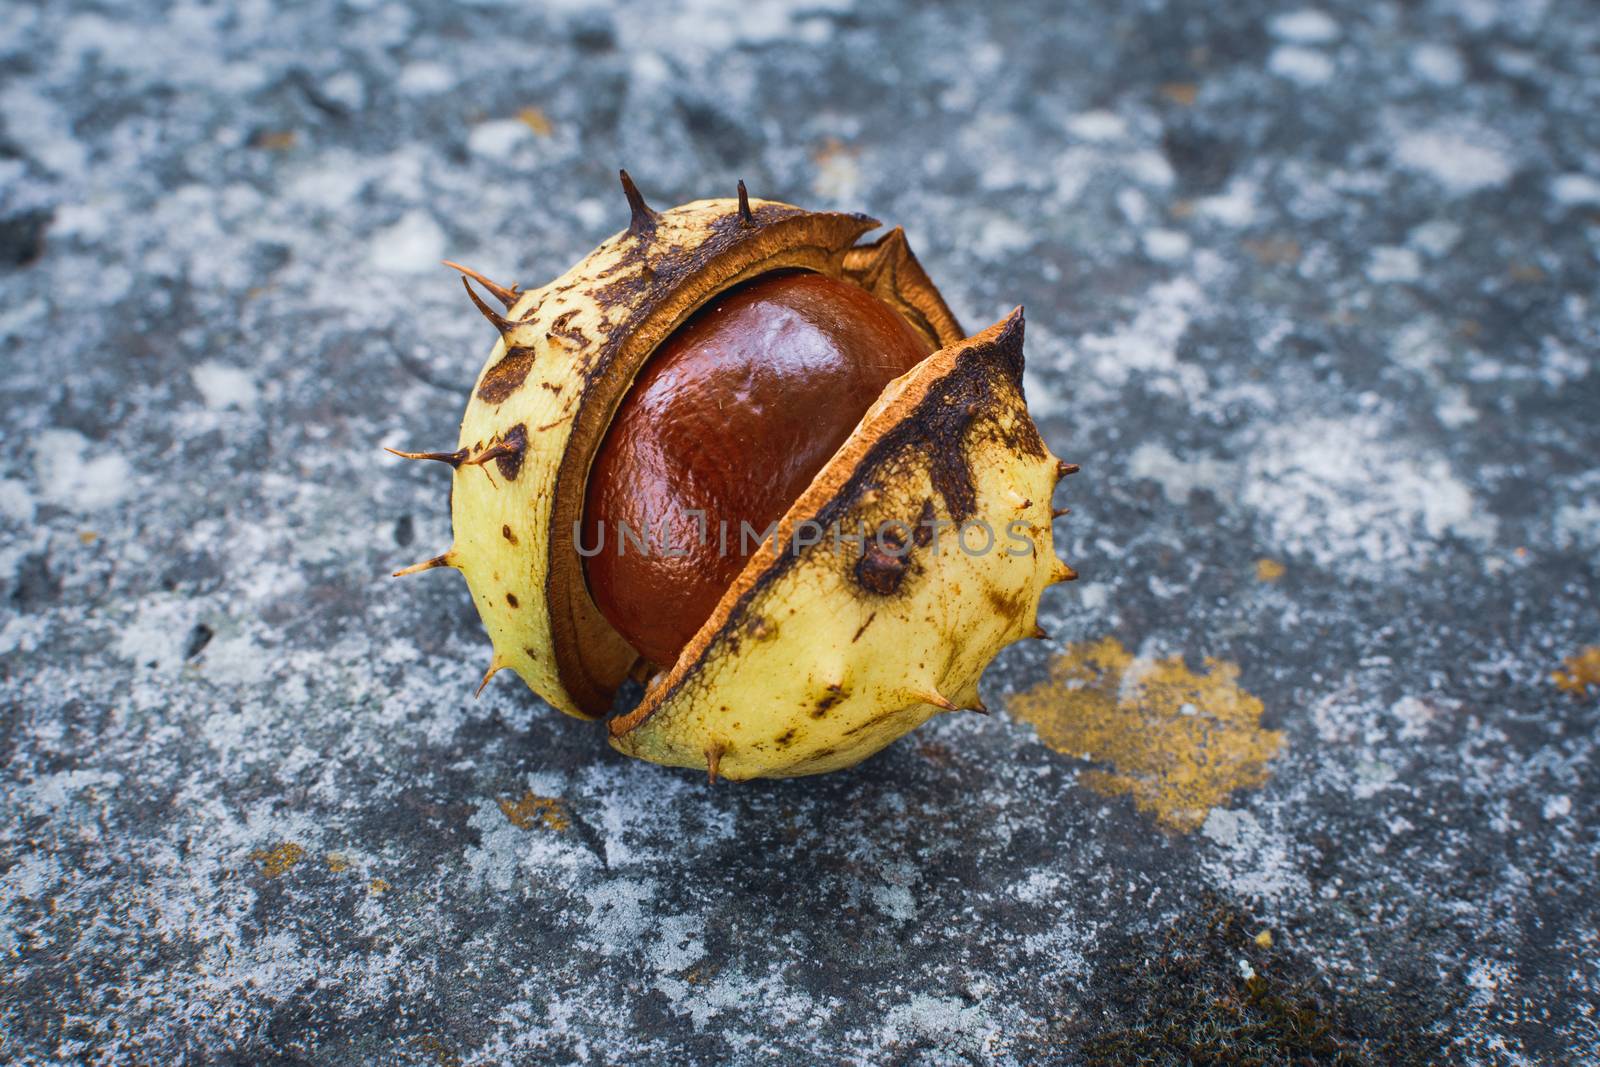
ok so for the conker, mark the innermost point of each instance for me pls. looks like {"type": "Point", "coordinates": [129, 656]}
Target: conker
{"type": "Point", "coordinates": [726, 426]}
{"type": "Point", "coordinates": [737, 364]}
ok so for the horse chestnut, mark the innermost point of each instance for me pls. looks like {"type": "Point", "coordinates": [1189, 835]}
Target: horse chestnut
{"type": "Point", "coordinates": [732, 417]}
{"type": "Point", "coordinates": [747, 365]}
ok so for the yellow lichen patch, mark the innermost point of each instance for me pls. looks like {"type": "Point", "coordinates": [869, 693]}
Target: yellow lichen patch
{"type": "Point", "coordinates": [1181, 93]}
{"type": "Point", "coordinates": [536, 120]}
{"type": "Point", "coordinates": [701, 973]}
{"type": "Point", "coordinates": [534, 810]}
{"type": "Point", "coordinates": [377, 887]}
{"type": "Point", "coordinates": [274, 861]}
{"type": "Point", "coordinates": [1176, 741]}
{"type": "Point", "coordinates": [1269, 570]}
{"type": "Point", "coordinates": [273, 140]}
{"type": "Point", "coordinates": [1579, 671]}
{"type": "Point", "coordinates": [337, 862]}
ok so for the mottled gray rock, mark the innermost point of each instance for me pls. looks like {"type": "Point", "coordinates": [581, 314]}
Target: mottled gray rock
{"type": "Point", "coordinates": [1310, 286]}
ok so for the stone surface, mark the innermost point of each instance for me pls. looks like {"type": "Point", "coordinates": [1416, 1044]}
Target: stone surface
{"type": "Point", "coordinates": [1311, 296]}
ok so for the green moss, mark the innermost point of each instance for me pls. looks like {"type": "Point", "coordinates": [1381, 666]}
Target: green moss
{"type": "Point", "coordinates": [1205, 991]}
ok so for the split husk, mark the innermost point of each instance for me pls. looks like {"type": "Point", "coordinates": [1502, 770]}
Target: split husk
{"type": "Point", "coordinates": [818, 655]}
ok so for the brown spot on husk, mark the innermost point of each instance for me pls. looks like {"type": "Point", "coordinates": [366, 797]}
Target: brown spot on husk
{"type": "Point", "coordinates": [562, 327]}
{"type": "Point", "coordinates": [506, 452]}
{"type": "Point", "coordinates": [880, 571]}
{"type": "Point", "coordinates": [1005, 607]}
{"type": "Point", "coordinates": [506, 376]}
{"type": "Point", "coordinates": [829, 701]}
{"type": "Point", "coordinates": [509, 461]}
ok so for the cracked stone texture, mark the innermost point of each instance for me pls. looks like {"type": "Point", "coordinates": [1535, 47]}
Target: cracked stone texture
{"type": "Point", "coordinates": [1311, 286]}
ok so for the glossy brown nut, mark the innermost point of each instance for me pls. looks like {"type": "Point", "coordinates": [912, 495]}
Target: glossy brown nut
{"type": "Point", "coordinates": [724, 429]}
